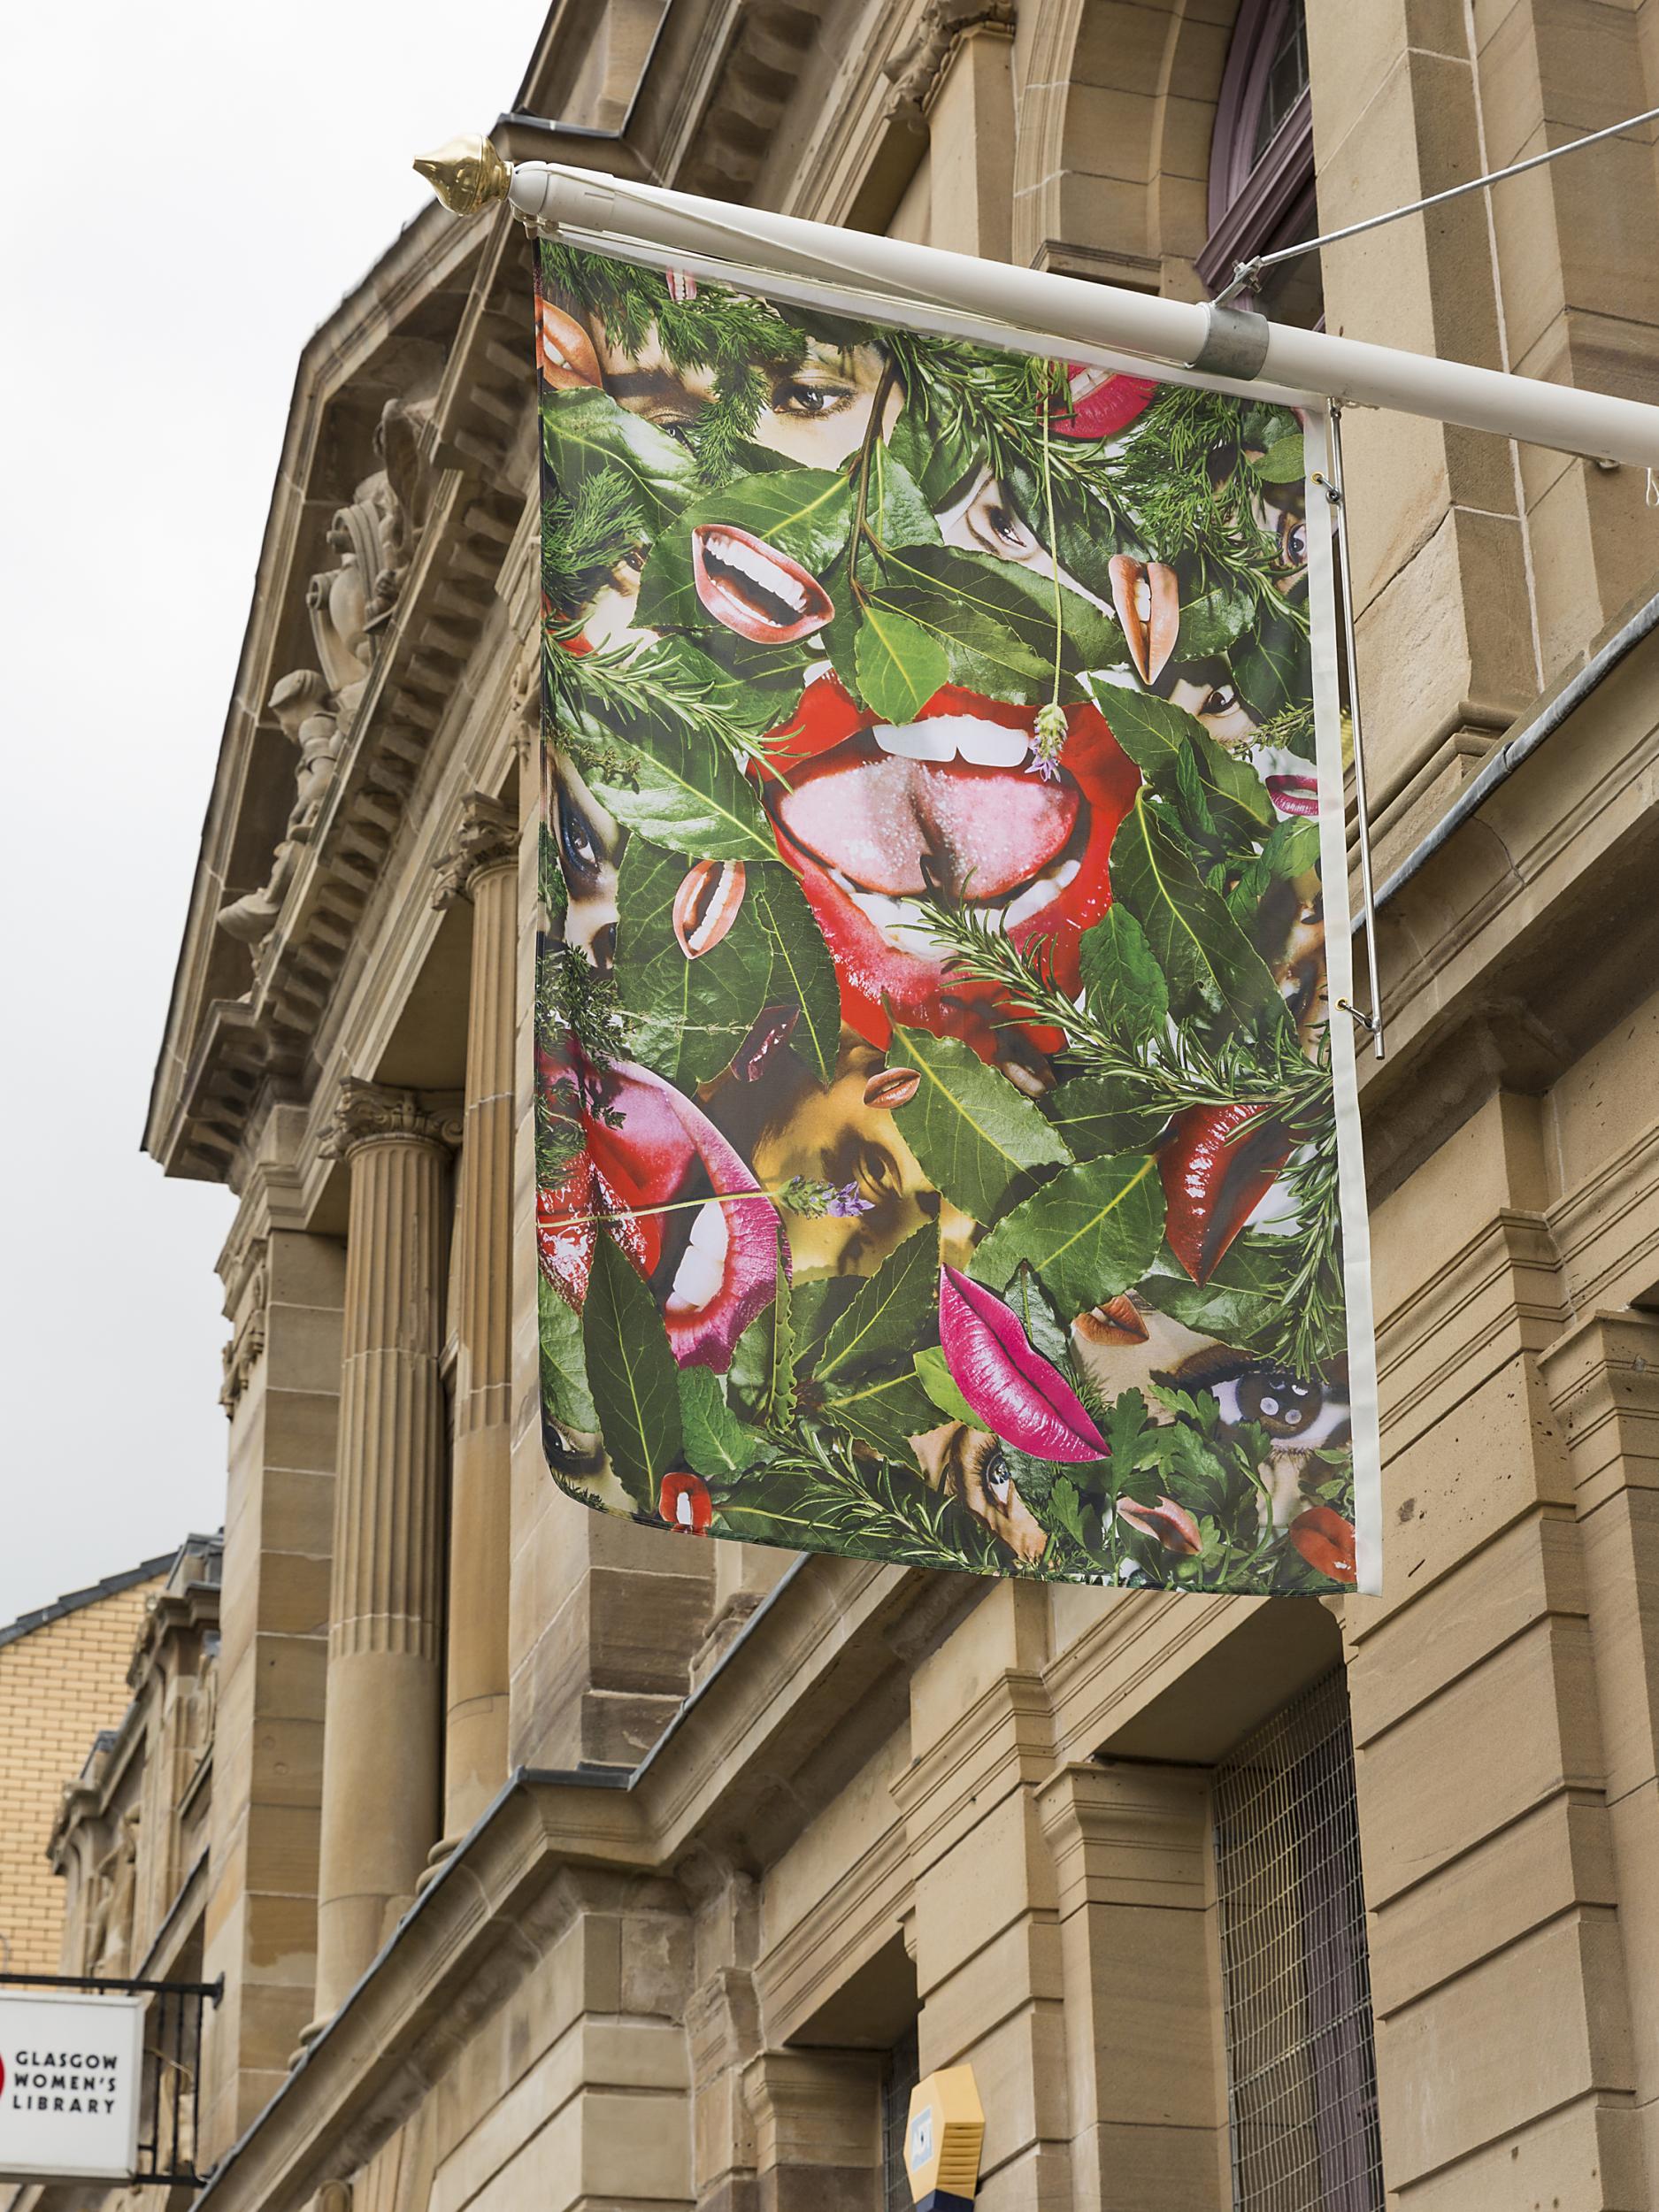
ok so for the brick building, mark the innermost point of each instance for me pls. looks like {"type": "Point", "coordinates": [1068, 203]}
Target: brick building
{"type": "Point", "coordinates": [63, 1679]}
{"type": "Point", "coordinates": [553, 1863]}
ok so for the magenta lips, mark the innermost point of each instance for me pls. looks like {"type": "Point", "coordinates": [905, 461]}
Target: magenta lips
{"type": "Point", "coordinates": [1293, 795]}
{"type": "Point", "coordinates": [1022, 1397]}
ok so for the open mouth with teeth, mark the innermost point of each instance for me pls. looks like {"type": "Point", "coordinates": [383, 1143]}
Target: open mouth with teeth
{"type": "Point", "coordinates": [754, 589]}
{"type": "Point", "coordinates": [1100, 401]}
{"type": "Point", "coordinates": [713, 1265]}
{"type": "Point", "coordinates": [1294, 795]}
{"type": "Point", "coordinates": [881, 820]}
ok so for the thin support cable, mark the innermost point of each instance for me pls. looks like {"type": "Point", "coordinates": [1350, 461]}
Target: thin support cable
{"type": "Point", "coordinates": [1245, 273]}
{"type": "Point", "coordinates": [1331, 487]}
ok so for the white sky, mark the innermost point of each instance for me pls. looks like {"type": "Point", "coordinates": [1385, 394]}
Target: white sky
{"type": "Point", "coordinates": [191, 187]}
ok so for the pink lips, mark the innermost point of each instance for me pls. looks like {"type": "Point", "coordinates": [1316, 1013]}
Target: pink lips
{"type": "Point", "coordinates": [1022, 1397]}
{"type": "Point", "coordinates": [754, 588]}
{"type": "Point", "coordinates": [1293, 795]}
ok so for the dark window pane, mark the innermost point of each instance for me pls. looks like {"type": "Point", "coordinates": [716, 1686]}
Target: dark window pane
{"type": "Point", "coordinates": [1287, 78]}
{"type": "Point", "coordinates": [900, 2078]}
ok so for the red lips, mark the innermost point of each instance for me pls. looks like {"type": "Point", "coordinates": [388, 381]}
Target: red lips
{"type": "Point", "coordinates": [1217, 1165]}
{"type": "Point", "coordinates": [648, 1145]}
{"type": "Point", "coordinates": [1293, 795]}
{"type": "Point", "coordinates": [1327, 1542]}
{"type": "Point", "coordinates": [754, 588]}
{"type": "Point", "coordinates": [1102, 401]}
{"type": "Point", "coordinates": [874, 818]}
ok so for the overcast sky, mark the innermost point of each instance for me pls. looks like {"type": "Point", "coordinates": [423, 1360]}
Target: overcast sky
{"type": "Point", "coordinates": [191, 186]}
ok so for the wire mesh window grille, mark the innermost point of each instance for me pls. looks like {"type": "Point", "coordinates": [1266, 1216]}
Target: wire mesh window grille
{"type": "Point", "coordinates": [901, 2077]}
{"type": "Point", "coordinates": [1302, 2065]}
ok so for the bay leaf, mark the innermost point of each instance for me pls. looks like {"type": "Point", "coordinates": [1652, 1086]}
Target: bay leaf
{"type": "Point", "coordinates": [631, 1373]}
{"type": "Point", "coordinates": [805, 513]}
{"type": "Point", "coordinates": [899, 665]}
{"type": "Point", "coordinates": [972, 1132]}
{"type": "Point", "coordinates": [686, 1017]}
{"type": "Point", "coordinates": [1206, 956]}
{"type": "Point", "coordinates": [1125, 986]}
{"type": "Point", "coordinates": [892, 1310]}
{"type": "Point", "coordinates": [1089, 1234]}
{"type": "Point", "coordinates": [718, 1445]}
{"type": "Point", "coordinates": [803, 967]}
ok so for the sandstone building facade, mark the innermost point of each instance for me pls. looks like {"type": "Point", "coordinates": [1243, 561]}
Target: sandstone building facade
{"type": "Point", "coordinates": [552, 1862]}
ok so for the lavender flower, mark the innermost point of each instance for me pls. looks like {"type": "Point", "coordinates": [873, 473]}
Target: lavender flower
{"type": "Point", "coordinates": [811, 1197]}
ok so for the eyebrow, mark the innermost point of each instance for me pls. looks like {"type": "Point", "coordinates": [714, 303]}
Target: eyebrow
{"type": "Point", "coordinates": [649, 384]}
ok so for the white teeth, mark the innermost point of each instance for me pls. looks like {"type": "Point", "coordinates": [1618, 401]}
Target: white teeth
{"type": "Point", "coordinates": [903, 922]}
{"type": "Point", "coordinates": [918, 740]}
{"type": "Point", "coordinates": [698, 1278]}
{"type": "Point", "coordinates": [775, 581]}
{"type": "Point", "coordinates": [952, 736]}
{"type": "Point", "coordinates": [682, 1508]}
{"type": "Point", "coordinates": [906, 925]}
{"type": "Point", "coordinates": [1041, 892]}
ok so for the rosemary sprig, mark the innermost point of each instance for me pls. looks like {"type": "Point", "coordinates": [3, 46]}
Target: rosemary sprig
{"type": "Point", "coordinates": [635, 681]}
{"type": "Point", "coordinates": [842, 1504]}
{"type": "Point", "coordinates": [1172, 1070]}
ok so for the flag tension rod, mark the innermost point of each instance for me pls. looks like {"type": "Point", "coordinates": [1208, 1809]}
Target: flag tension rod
{"type": "Point", "coordinates": [1246, 272]}
{"type": "Point", "coordinates": [996, 303]}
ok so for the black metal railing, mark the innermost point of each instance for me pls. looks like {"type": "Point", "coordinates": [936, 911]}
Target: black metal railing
{"type": "Point", "coordinates": [170, 2094]}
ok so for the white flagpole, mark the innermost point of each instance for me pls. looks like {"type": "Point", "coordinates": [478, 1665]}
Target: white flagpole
{"type": "Point", "coordinates": [1225, 344]}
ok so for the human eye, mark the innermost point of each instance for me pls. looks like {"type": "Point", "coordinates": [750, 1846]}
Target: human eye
{"type": "Point", "coordinates": [577, 841]}
{"type": "Point", "coordinates": [1219, 699]}
{"type": "Point", "coordinates": [811, 399]}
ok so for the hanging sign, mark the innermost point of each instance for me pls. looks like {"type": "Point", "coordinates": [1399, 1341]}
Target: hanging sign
{"type": "Point", "coordinates": [71, 2072]}
{"type": "Point", "coordinates": [945, 1151]}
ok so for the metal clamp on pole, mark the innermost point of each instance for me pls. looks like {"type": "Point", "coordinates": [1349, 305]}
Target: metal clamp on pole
{"type": "Point", "coordinates": [1235, 343]}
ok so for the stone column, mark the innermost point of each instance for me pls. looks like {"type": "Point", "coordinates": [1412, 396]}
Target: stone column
{"type": "Point", "coordinates": [1140, 1965]}
{"type": "Point", "coordinates": [381, 1744]}
{"type": "Point", "coordinates": [482, 867]}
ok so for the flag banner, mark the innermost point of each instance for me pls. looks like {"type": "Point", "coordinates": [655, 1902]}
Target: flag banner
{"type": "Point", "coordinates": [945, 1150]}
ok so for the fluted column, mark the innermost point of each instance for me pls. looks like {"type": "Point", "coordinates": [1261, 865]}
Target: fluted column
{"type": "Point", "coordinates": [382, 1729]}
{"type": "Point", "coordinates": [483, 868]}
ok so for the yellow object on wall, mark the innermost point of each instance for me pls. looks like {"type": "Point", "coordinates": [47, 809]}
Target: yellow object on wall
{"type": "Point", "coordinates": [943, 2138]}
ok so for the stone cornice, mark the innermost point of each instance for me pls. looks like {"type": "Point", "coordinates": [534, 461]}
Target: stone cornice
{"type": "Point", "coordinates": [1486, 977]}
{"type": "Point", "coordinates": [487, 836]}
{"type": "Point", "coordinates": [196, 1090]}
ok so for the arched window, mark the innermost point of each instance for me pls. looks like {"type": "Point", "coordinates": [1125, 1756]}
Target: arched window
{"type": "Point", "coordinates": [1261, 163]}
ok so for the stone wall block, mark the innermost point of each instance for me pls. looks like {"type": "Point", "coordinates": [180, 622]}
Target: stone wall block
{"type": "Point", "coordinates": [1454, 1771]}
{"type": "Point", "coordinates": [1532, 2027]}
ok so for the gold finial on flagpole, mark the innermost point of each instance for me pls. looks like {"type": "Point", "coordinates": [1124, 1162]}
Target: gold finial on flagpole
{"type": "Point", "coordinates": [467, 175]}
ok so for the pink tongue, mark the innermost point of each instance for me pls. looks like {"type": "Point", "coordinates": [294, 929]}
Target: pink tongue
{"type": "Point", "coordinates": [985, 830]}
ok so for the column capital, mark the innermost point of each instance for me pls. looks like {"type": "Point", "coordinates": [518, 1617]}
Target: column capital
{"type": "Point", "coordinates": [487, 836]}
{"type": "Point", "coordinates": [364, 1112]}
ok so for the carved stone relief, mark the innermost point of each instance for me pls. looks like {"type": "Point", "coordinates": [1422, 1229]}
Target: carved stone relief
{"type": "Point", "coordinates": [246, 1345]}
{"type": "Point", "coordinates": [487, 836]}
{"type": "Point", "coordinates": [374, 538]}
{"type": "Point", "coordinates": [917, 70]}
